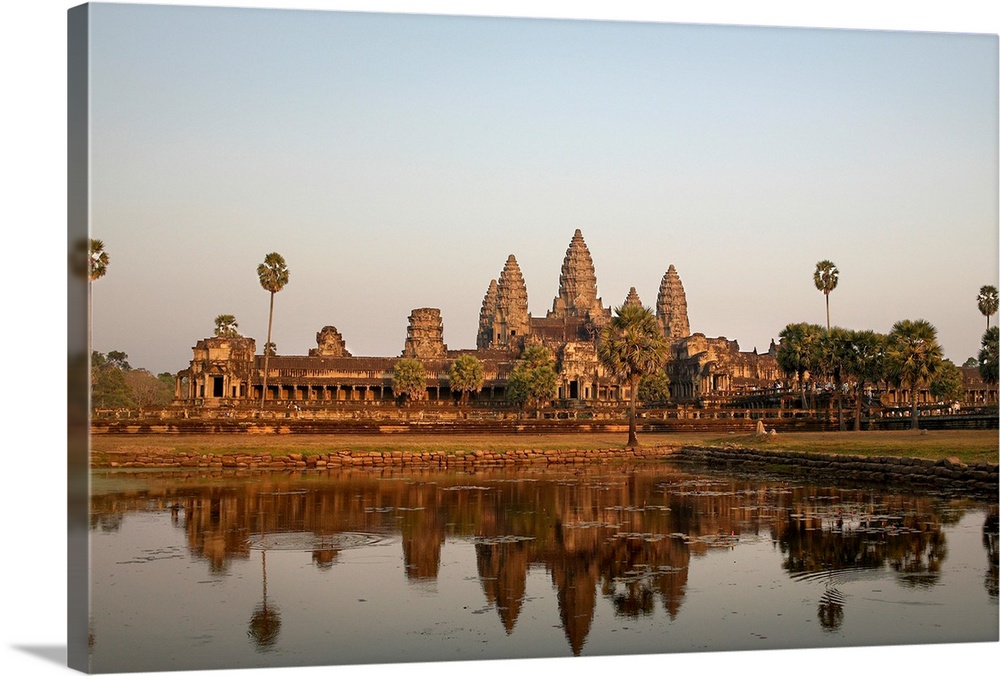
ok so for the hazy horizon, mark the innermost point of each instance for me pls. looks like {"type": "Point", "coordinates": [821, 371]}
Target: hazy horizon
{"type": "Point", "coordinates": [395, 161]}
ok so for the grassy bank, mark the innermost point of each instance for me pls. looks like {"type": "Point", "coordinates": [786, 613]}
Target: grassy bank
{"type": "Point", "coordinates": [969, 446]}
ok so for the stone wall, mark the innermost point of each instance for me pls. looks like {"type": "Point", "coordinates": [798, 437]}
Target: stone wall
{"type": "Point", "coordinates": [981, 478]}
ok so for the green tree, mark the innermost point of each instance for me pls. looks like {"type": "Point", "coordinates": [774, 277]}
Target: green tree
{"type": "Point", "coordinates": [825, 278]}
{"type": "Point", "coordinates": [988, 357]}
{"type": "Point", "coordinates": [466, 375]}
{"type": "Point", "coordinates": [988, 301]}
{"type": "Point", "coordinates": [865, 363]}
{"type": "Point", "coordinates": [654, 388]}
{"type": "Point", "coordinates": [270, 349]}
{"type": "Point", "coordinates": [632, 345]}
{"type": "Point", "coordinates": [409, 380]}
{"type": "Point", "coordinates": [913, 356]}
{"type": "Point", "coordinates": [533, 380]}
{"type": "Point", "coordinates": [226, 326]}
{"type": "Point", "coordinates": [118, 360]}
{"type": "Point", "coordinates": [796, 353]}
{"type": "Point", "coordinates": [970, 363]}
{"type": "Point", "coordinates": [108, 387]}
{"type": "Point", "coordinates": [831, 356]}
{"type": "Point", "coordinates": [946, 384]}
{"type": "Point", "coordinates": [273, 275]}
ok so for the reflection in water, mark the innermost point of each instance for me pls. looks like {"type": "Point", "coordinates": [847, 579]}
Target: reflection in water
{"type": "Point", "coordinates": [265, 621]}
{"type": "Point", "coordinates": [990, 543]}
{"type": "Point", "coordinates": [622, 536]}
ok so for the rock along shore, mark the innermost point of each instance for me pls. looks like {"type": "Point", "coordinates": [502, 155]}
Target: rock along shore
{"type": "Point", "coordinates": [981, 478]}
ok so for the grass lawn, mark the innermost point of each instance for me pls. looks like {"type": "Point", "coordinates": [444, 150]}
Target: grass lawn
{"type": "Point", "coordinates": [970, 446]}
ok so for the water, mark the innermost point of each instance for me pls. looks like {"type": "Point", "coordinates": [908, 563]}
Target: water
{"type": "Point", "coordinates": [234, 570]}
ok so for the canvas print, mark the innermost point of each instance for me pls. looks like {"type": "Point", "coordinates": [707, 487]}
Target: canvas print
{"type": "Point", "coordinates": [425, 338]}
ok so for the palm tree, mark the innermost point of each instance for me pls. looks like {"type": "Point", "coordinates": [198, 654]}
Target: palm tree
{"type": "Point", "coordinates": [913, 355]}
{"type": "Point", "coordinates": [832, 354]}
{"type": "Point", "coordinates": [466, 375]}
{"type": "Point", "coordinates": [409, 379]}
{"type": "Point", "coordinates": [796, 354]}
{"type": "Point", "coordinates": [273, 274]}
{"type": "Point", "coordinates": [988, 301]}
{"type": "Point", "coordinates": [988, 357]}
{"type": "Point", "coordinates": [632, 345]}
{"type": "Point", "coordinates": [97, 267]}
{"type": "Point", "coordinates": [825, 278]}
{"type": "Point", "coordinates": [865, 363]}
{"type": "Point", "coordinates": [225, 326]}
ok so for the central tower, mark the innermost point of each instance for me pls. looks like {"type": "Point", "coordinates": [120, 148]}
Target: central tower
{"type": "Point", "coordinates": [578, 286]}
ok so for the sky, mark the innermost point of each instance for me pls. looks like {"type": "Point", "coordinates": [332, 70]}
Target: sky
{"type": "Point", "coordinates": [395, 161]}
{"type": "Point", "coordinates": [774, 181]}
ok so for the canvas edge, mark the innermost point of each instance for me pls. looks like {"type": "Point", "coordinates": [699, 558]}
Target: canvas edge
{"type": "Point", "coordinates": [78, 357]}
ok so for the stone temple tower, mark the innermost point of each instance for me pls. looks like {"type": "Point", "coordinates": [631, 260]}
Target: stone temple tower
{"type": "Point", "coordinates": [632, 298]}
{"type": "Point", "coordinates": [425, 335]}
{"type": "Point", "coordinates": [671, 306]}
{"type": "Point", "coordinates": [504, 319]}
{"type": "Point", "coordinates": [578, 285]}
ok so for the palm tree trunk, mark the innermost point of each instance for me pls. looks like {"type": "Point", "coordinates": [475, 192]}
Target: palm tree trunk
{"type": "Point", "coordinates": [632, 440]}
{"type": "Point", "coordinates": [857, 410]}
{"type": "Point", "coordinates": [828, 311]}
{"type": "Point", "coordinates": [914, 422]}
{"type": "Point", "coordinates": [267, 352]}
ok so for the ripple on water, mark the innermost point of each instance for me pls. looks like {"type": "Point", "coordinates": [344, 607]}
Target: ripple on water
{"type": "Point", "coordinates": [309, 542]}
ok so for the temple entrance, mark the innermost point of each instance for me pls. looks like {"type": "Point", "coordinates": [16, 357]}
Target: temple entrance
{"type": "Point", "coordinates": [217, 386]}
{"type": "Point", "coordinates": [574, 390]}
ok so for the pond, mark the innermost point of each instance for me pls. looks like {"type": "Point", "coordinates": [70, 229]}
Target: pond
{"type": "Point", "coordinates": [199, 570]}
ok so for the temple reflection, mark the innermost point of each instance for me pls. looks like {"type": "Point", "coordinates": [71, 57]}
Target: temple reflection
{"type": "Point", "coordinates": [624, 536]}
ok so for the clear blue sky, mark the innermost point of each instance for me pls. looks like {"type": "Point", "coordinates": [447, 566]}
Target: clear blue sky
{"type": "Point", "coordinates": [395, 161]}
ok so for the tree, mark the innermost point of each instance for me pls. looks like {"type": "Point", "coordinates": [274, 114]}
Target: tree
{"type": "Point", "coordinates": [226, 326]}
{"type": "Point", "coordinates": [654, 388]}
{"type": "Point", "coordinates": [946, 384]}
{"type": "Point", "coordinates": [913, 356]}
{"type": "Point", "coordinates": [796, 354]}
{"type": "Point", "coordinates": [97, 266]}
{"type": "Point", "coordinates": [118, 360]}
{"type": "Point", "coordinates": [831, 355]}
{"type": "Point", "coordinates": [99, 260]}
{"type": "Point", "coordinates": [970, 363]}
{"type": "Point", "coordinates": [409, 380]}
{"type": "Point", "coordinates": [466, 375]}
{"type": "Point", "coordinates": [273, 275]}
{"type": "Point", "coordinates": [108, 388]}
{"type": "Point", "coordinates": [988, 301]}
{"type": "Point", "coordinates": [270, 349]}
{"type": "Point", "coordinates": [865, 362]}
{"type": "Point", "coordinates": [825, 278]}
{"type": "Point", "coordinates": [146, 389]}
{"type": "Point", "coordinates": [632, 345]}
{"type": "Point", "coordinates": [988, 357]}
{"type": "Point", "coordinates": [533, 380]}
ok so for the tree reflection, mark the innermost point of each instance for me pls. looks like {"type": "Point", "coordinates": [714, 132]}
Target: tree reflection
{"type": "Point", "coordinates": [990, 527]}
{"type": "Point", "coordinates": [831, 609]}
{"type": "Point", "coordinates": [265, 621]}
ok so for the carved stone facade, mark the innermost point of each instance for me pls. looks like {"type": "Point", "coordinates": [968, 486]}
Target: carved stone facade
{"type": "Point", "coordinates": [425, 335]}
{"type": "Point", "coordinates": [329, 343]}
{"type": "Point", "coordinates": [226, 371]}
{"type": "Point", "coordinates": [577, 295]}
{"type": "Point", "coordinates": [632, 299]}
{"type": "Point", "coordinates": [504, 321]}
{"type": "Point", "coordinates": [671, 306]}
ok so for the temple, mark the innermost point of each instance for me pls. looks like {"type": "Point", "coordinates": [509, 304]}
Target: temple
{"type": "Point", "coordinates": [703, 371]}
